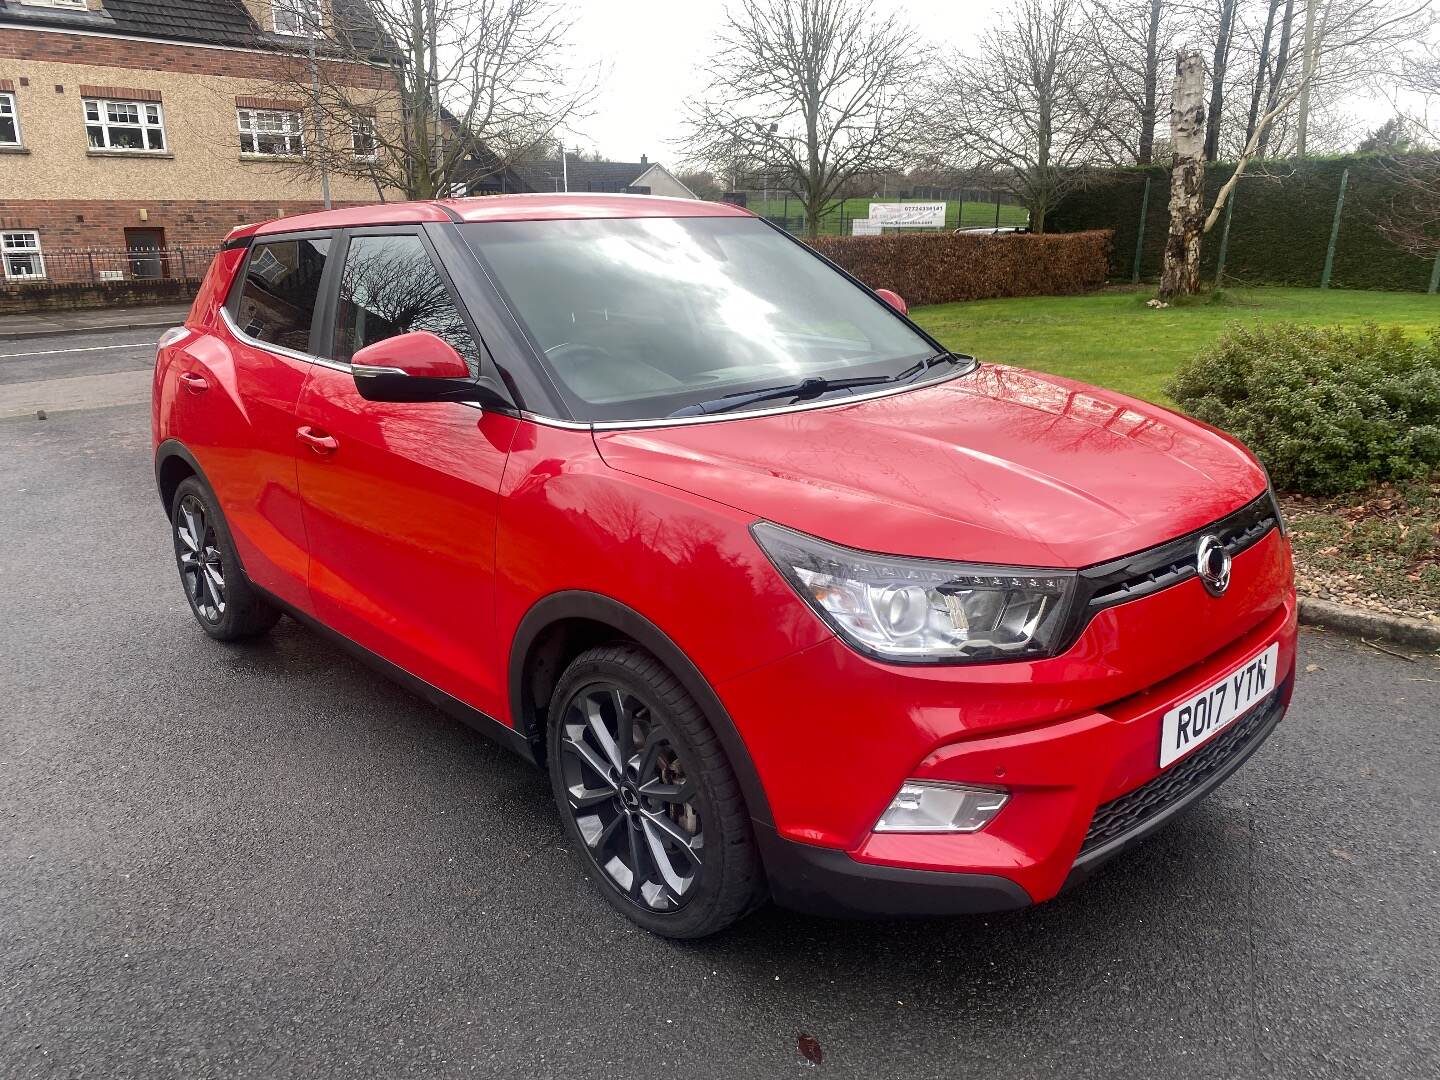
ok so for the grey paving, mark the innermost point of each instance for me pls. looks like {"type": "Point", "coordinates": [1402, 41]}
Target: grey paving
{"type": "Point", "coordinates": [49, 324]}
{"type": "Point", "coordinates": [268, 862]}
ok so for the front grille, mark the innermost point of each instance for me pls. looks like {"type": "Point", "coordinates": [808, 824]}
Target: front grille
{"type": "Point", "coordinates": [1170, 563]}
{"type": "Point", "coordinates": [1132, 810]}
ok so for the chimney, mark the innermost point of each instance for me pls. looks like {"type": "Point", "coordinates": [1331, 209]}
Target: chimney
{"type": "Point", "coordinates": [644, 160]}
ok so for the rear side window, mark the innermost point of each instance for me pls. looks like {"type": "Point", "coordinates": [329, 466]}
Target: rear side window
{"type": "Point", "coordinates": [282, 283]}
{"type": "Point", "coordinates": [389, 286]}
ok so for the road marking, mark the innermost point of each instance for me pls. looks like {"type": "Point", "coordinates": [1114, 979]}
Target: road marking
{"type": "Point", "coordinates": [87, 348]}
{"type": "Point", "coordinates": [79, 392]}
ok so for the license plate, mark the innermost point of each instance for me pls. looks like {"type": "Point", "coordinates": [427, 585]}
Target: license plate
{"type": "Point", "coordinates": [1202, 717]}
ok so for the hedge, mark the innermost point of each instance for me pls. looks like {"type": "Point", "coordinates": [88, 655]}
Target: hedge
{"type": "Point", "coordinates": [939, 268]}
{"type": "Point", "coordinates": [1279, 230]}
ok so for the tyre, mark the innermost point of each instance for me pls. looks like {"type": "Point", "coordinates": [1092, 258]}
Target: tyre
{"type": "Point", "coordinates": [224, 603]}
{"type": "Point", "coordinates": [647, 797]}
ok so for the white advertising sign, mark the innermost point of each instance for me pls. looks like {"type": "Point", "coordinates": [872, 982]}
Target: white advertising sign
{"type": "Point", "coordinates": [917, 215]}
{"type": "Point", "coordinates": [865, 227]}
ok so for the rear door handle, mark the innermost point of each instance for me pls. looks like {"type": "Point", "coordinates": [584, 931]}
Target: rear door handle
{"type": "Point", "coordinates": [196, 384]}
{"type": "Point", "coordinates": [320, 443]}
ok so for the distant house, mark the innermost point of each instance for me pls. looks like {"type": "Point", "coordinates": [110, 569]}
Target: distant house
{"type": "Point", "coordinates": [642, 177]}
{"type": "Point", "coordinates": [145, 125]}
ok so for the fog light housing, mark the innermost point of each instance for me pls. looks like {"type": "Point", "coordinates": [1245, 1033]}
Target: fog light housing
{"type": "Point", "coordinates": [927, 806]}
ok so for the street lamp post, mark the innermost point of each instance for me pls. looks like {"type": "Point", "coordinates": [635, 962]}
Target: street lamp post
{"type": "Point", "coordinates": [312, 19]}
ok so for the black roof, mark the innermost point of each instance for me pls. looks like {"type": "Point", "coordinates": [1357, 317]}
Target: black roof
{"type": "Point", "coordinates": [210, 22]}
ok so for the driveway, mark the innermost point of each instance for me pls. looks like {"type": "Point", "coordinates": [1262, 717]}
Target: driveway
{"type": "Point", "coordinates": [266, 861]}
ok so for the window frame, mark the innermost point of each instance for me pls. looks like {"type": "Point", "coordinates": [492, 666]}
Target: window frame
{"type": "Point", "coordinates": [37, 253]}
{"type": "Point", "coordinates": [142, 124]}
{"type": "Point", "coordinates": [325, 289]}
{"type": "Point", "coordinates": [303, 12]}
{"type": "Point", "coordinates": [328, 338]}
{"type": "Point", "coordinates": [298, 133]}
{"type": "Point", "coordinates": [363, 124]}
{"type": "Point", "coordinates": [8, 97]}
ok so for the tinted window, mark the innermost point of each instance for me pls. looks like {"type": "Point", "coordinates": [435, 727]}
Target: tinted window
{"type": "Point", "coordinates": [639, 316]}
{"type": "Point", "coordinates": [282, 281]}
{"type": "Point", "coordinates": [389, 286]}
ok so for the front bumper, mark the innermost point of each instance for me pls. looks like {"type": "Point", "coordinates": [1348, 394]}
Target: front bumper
{"type": "Point", "coordinates": [825, 881]}
{"type": "Point", "coordinates": [1075, 740]}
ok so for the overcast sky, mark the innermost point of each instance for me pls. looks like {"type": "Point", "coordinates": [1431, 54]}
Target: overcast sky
{"type": "Point", "coordinates": [655, 52]}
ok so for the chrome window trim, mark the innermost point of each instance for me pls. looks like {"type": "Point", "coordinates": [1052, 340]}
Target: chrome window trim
{"type": "Point", "coordinates": [714, 418]}
{"type": "Point", "coordinates": [279, 350]}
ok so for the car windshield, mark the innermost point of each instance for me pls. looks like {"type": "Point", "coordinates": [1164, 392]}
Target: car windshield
{"type": "Point", "coordinates": [637, 318]}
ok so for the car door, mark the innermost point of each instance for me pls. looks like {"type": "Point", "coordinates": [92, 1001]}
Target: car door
{"type": "Point", "coordinates": [239, 399]}
{"type": "Point", "coordinates": [400, 500]}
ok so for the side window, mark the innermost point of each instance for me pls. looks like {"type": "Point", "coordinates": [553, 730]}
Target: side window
{"type": "Point", "coordinates": [282, 282]}
{"type": "Point", "coordinates": [389, 286]}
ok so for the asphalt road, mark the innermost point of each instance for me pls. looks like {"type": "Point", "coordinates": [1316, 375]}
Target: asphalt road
{"type": "Point", "coordinates": [268, 862]}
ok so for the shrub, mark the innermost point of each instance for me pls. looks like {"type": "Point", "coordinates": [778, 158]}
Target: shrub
{"type": "Point", "coordinates": [940, 268]}
{"type": "Point", "coordinates": [1327, 410]}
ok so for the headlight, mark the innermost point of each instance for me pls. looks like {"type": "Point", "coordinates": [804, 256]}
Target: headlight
{"type": "Point", "coordinates": [920, 610]}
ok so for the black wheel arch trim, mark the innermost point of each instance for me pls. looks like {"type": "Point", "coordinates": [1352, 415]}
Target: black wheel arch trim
{"type": "Point", "coordinates": [166, 451]}
{"type": "Point", "coordinates": [596, 607]}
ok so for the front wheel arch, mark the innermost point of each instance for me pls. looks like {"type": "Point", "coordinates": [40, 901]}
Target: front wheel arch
{"type": "Point", "coordinates": [592, 616]}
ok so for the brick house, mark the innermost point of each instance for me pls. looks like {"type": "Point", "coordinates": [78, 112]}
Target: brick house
{"type": "Point", "coordinates": [143, 125]}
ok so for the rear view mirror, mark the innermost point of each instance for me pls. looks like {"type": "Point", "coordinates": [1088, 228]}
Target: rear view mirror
{"type": "Point", "coordinates": [893, 299]}
{"type": "Point", "coordinates": [418, 366]}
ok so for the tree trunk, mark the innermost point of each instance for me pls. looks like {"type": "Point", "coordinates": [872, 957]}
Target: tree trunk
{"type": "Point", "coordinates": [1277, 77]}
{"type": "Point", "coordinates": [1217, 80]}
{"type": "Point", "coordinates": [1181, 275]}
{"type": "Point", "coordinates": [1145, 152]}
{"type": "Point", "coordinates": [1262, 69]}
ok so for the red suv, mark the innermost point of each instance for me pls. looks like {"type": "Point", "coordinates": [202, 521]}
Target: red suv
{"type": "Point", "coordinates": [788, 599]}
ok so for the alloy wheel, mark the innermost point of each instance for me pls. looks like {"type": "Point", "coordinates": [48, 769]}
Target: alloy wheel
{"type": "Point", "coordinates": [198, 552]}
{"type": "Point", "coordinates": [636, 809]}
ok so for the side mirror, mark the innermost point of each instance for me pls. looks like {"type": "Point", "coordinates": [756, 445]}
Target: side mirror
{"type": "Point", "coordinates": [893, 299]}
{"type": "Point", "coordinates": [419, 366]}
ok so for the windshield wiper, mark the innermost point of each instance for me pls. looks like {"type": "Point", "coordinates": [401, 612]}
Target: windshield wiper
{"type": "Point", "coordinates": [805, 389]}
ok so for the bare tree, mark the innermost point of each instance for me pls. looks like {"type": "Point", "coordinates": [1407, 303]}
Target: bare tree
{"type": "Point", "coordinates": [812, 92]}
{"type": "Point", "coordinates": [1180, 275]}
{"type": "Point", "coordinates": [1029, 105]}
{"type": "Point", "coordinates": [1224, 32]}
{"type": "Point", "coordinates": [447, 91]}
{"type": "Point", "coordinates": [1131, 42]}
{"type": "Point", "coordinates": [1350, 39]}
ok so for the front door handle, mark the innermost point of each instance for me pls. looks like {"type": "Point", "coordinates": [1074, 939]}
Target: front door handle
{"type": "Point", "coordinates": [196, 384]}
{"type": "Point", "coordinates": [320, 443]}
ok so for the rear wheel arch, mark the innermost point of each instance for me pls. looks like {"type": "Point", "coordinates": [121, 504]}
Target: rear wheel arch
{"type": "Point", "coordinates": [562, 625]}
{"type": "Point", "coordinates": [173, 464]}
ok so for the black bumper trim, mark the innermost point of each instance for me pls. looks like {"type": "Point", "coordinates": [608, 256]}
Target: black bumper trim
{"type": "Point", "coordinates": [1090, 860]}
{"type": "Point", "coordinates": [826, 881]}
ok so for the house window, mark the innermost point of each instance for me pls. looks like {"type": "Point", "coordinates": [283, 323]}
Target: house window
{"type": "Point", "coordinates": [297, 18]}
{"type": "Point", "coordinates": [9, 121]}
{"type": "Point", "coordinates": [124, 125]}
{"type": "Point", "coordinates": [270, 132]}
{"type": "Point", "coordinates": [21, 254]}
{"type": "Point", "coordinates": [362, 138]}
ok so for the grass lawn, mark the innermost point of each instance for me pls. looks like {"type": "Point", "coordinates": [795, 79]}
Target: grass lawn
{"type": "Point", "coordinates": [956, 213]}
{"type": "Point", "coordinates": [1112, 339]}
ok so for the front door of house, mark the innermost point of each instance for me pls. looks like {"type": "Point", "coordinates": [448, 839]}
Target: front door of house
{"type": "Point", "coordinates": [145, 250]}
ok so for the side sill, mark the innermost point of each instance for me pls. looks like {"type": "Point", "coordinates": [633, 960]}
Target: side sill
{"type": "Point", "coordinates": [446, 703]}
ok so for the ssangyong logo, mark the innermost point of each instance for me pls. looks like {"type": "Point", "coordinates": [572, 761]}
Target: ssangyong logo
{"type": "Point", "coordinates": [1213, 563]}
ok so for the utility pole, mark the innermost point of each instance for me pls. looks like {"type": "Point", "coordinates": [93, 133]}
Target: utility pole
{"type": "Point", "coordinates": [312, 19]}
{"type": "Point", "coordinates": [564, 169]}
{"type": "Point", "coordinates": [1307, 74]}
